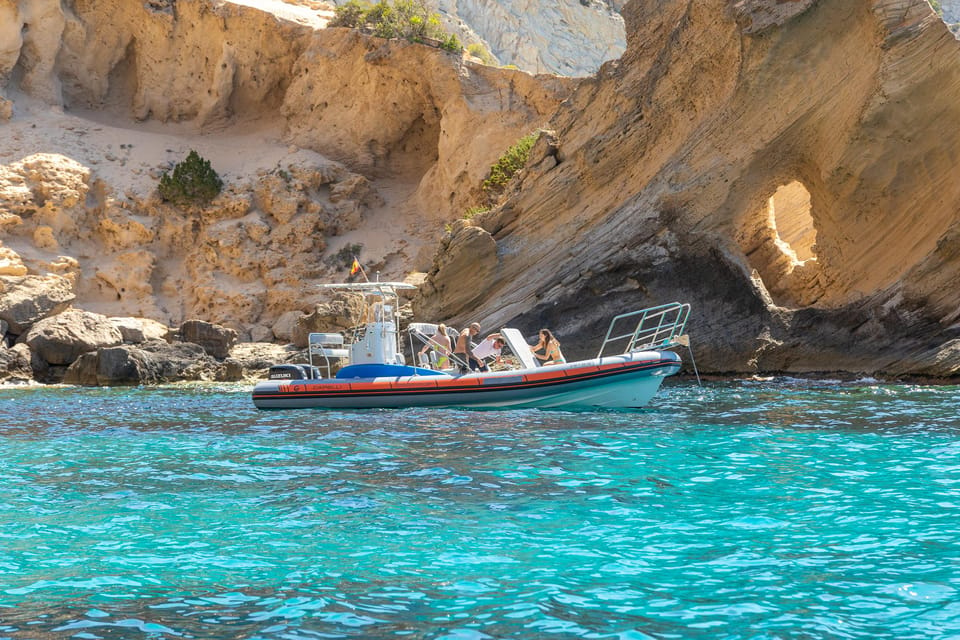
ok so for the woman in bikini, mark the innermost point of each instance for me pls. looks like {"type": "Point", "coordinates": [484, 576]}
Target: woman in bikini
{"type": "Point", "coordinates": [551, 348]}
{"type": "Point", "coordinates": [439, 342]}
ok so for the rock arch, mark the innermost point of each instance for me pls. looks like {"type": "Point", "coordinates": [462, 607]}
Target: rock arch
{"type": "Point", "coordinates": [779, 242]}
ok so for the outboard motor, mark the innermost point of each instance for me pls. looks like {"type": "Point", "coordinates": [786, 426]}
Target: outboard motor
{"type": "Point", "coordinates": [289, 372]}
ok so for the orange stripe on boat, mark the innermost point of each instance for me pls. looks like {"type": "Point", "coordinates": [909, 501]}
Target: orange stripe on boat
{"type": "Point", "coordinates": [546, 375]}
{"type": "Point", "coordinates": [458, 382]}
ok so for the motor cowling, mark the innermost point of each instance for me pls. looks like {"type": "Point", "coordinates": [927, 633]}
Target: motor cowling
{"type": "Point", "coordinates": [288, 372]}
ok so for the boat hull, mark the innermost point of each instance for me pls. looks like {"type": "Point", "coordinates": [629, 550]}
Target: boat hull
{"type": "Point", "coordinates": [613, 382]}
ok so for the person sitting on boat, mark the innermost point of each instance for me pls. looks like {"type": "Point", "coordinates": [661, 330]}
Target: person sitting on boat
{"type": "Point", "coordinates": [551, 348]}
{"type": "Point", "coordinates": [440, 343]}
{"type": "Point", "coordinates": [490, 346]}
{"type": "Point", "coordinates": [462, 349]}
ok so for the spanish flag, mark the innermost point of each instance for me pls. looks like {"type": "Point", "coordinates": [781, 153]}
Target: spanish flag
{"type": "Point", "coordinates": [355, 266]}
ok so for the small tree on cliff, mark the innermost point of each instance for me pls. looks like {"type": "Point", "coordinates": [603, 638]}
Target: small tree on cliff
{"type": "Point", "coordinates": [194, 182]}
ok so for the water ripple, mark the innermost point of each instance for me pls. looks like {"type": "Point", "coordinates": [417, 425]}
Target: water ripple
{"type": "Point", "coordinates": [759, 509]}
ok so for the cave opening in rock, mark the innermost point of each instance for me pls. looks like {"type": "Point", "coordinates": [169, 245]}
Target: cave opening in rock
{"type": "Point", "coordinates": [789, 211]}
{"type": "Point", "coordinates": [122, 83]}
{"type": "Point", "coordinates": [779, 240]}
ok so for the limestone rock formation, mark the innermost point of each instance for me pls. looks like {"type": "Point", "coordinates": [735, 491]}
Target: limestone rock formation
{"type": "Point", "coordinates": [27, 299]}
{"type": "Point", "coordinates": [727, 127]}
{"type": "Point", "coordinates": [152, 362]}
{"type": "Point", "coordinates": [340, 314]}
{"type": "Point", "coordinates": [784, 166]}
{"type": "Point", "coordinates": [90, 213]}
{"type": "Point", "coordinates": [215, 339]}
{"type": "Point", "coordinates": [565, 37]}
{"type": "Point", "coordinates": [61, 339]}
{"type": "Point", "coordinates": [137, 330]}
{"type": "Point", "coordinates": [15, 363]}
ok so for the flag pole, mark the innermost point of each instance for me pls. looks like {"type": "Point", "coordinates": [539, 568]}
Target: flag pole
{"type": "Point", "coordinates": [358, 267]}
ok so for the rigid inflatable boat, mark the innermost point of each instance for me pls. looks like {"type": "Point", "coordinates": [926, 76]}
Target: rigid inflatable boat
{"type": "Point", "coordinates": [377, 375]}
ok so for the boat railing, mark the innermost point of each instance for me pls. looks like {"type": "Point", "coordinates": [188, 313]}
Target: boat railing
{"type": "Point", "coordinates": [658, 327]}
{"type": "Point", "coordinates": [328, 346]}
{"type": "Point", "coordinates": [421, 333]}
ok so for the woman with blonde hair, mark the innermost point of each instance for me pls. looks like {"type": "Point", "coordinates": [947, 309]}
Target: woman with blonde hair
{"type": "Point", "coordinates": [439, 342]}
{"type": "Point", "coordinates": [551, 348]}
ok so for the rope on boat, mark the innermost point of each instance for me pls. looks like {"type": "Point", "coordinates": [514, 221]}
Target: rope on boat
{"type": "Point", "coordinates": [694, 363]}
{"type": "Point", "coordinates": [684, 340]}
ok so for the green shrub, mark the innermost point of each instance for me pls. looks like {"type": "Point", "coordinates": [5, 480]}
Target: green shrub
{"type": "Point", "coordinates": [474, 211]}
{"type": "Point", "coordinates": [452, 44]}
{"type": "Point", "coordinates": [477, 50]}
{"type": "Point", "coordinates": [343, 259]}
{"type": "Point", "coordinates": [408, 19]}
{"type": "Point", "coordinates": [352, 14]}
{"type": "Point", "coordinates": [509, 163]}
{"type": "Point", "coordinates": [194, 182]}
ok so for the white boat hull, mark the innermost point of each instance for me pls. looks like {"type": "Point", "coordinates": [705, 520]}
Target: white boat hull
{"type": "Point", "coordinates": [613, 382]}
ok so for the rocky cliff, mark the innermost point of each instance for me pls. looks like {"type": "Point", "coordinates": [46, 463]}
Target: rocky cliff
{"type": "Point", "coordinates": [789, 168]}
{"type": "Point", "coordinates": [331, 143]}
{"type": "Point", "coordinates": [566, 37]}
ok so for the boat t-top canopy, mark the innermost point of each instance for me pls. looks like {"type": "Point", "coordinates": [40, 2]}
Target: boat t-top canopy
{"type": "Point", "coordinates": [369, 287]}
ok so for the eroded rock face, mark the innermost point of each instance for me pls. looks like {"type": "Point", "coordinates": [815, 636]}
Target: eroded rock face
{"type": "Point", "coordinates": [782, 165]}
{"type": "Point", "coordinates": [137, 330]}
{"type": "Point", "coordinates": [90, 212]}
{"type": "Point", "coordinates": [447, 120]}
{"type": "Point", "coordinates": [465, 263]}
{"type": "Point", "coordinates": [340, 314]}
{"type": "Point", "coordinates": [673, 161]}
{"type": "Point", "coordinates": [569, 37]}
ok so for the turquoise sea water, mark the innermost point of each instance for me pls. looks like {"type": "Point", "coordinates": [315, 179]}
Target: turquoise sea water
{"type": "Point", "coordinates": [739, 510]}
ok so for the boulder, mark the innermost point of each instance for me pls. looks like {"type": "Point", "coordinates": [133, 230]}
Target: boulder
{"type": "Point", "coordinates": [260, 333]}
{"type": "Point", "coordinates": [181, 361]}
{"type": "Point", "coordinates": [137, 330]}
{"type": "Point", "coordinates": [152, 362]}
{"type": "Point", "coordinates": [328, 317]}
{"type": "Point", "coordinates": [283, 327]}
{"type": "Point", "coordinates": [83, 371]}
{"type": "Point", "coordinates": [214, 338]}
{"type": "Point", "coordinates": [231, 371]}
{"type": "Point", "coordinates": [256, 358]}
{"type": "Point", "coordinates": [61, 339]}
{"type": "Point", "coordinates": [25, 300]}
{"type": "Point", "coordinates": [15, 364]}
